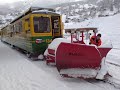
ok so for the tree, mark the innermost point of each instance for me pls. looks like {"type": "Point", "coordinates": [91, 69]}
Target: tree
{"type": "Point", "coordinates": [117, 4]}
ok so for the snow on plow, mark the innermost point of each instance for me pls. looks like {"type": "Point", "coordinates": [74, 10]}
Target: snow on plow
{"type": "Point", "coordinates": [75, 57]}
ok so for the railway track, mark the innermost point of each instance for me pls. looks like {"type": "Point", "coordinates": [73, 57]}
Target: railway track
{"type": "Point", "coordinates": [106, 85]}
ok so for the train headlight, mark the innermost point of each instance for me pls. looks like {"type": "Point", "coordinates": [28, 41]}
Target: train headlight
{"type": "Point", "coordinates": [38, 41]}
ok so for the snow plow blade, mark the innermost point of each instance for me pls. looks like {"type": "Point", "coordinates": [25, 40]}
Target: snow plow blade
{"type": "Point", "coordinates": [104, 51]}
{"type": "Point", "coordinates": [74, 57]}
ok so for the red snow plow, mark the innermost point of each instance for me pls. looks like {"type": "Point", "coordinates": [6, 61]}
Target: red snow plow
{"type": "Point", "coordinates": [75, 57]}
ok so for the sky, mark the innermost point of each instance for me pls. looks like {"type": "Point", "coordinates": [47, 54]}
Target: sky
{"type": "Point", "coordinates": [43, 3]}
{"type": "Point", "coordinates": [35, 3]}
{"type": "Point", "coordinates": [52, 1]}
{"type": "Point", "coordinates": [9, 1]}
{"type": "Point", "coordinates": [12, 1]}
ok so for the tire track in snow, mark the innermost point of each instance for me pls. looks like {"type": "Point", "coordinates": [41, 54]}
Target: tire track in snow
{"type": "Point", "coordinates": [103, 84]}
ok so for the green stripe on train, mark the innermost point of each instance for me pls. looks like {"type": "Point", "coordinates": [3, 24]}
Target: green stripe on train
{"type": "Point", "coordinates": [29, 43]}
{"type": "Point", "coordinates": [40, 47]}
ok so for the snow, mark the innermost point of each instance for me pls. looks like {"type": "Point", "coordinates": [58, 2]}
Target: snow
{"type": "Point", "coordinates": [76, 72]}
{"type": "Point", "coordinates": [46, 11]}
{"type": "Point", "coordinates": [17, 72]}
{"type": "Point", "coordinates": [81, 0]}
{"type": "Point", "coordinates": [58, 8]}
{"type": "Point", "coordinates": [76, 10]}
{"type": "Point", "coordinates": [114, 81]}
{"type": "Point", "coordinates": [109, 28]}
{"type": "Point", "coordinates": [106, 26]}
{"type": "Point", "coordinates": [103, 70]}
{"type": "Point", "coordinates": [72, 17]}
{"type": "Point", "coordinates": [99, 1]}
{"type": "Point", "coordinates": [109, 13]}
{"type": "Point", "coordinates": [106, 43]}
{"type": "Point", "coordinates": [63, 18]}
{"type": "Point", "coordinates": [89, 6]}
{"type": "Point", "coordinates": [41, 57]}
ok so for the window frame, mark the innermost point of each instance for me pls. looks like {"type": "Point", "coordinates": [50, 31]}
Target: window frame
{"type": "Point", "coordinates": [46, 23]}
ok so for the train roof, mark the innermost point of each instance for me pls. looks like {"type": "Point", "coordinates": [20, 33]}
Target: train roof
{"type": "Point", "coordinates": [36, 10]}
{"type": "Point", "coordinates": [44, 12]}
{"type": "Point", "coordinates": [5, 26]}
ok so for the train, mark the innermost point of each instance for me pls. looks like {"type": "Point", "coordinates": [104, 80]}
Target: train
{"type": "Point", "coordinates": [34, 30]}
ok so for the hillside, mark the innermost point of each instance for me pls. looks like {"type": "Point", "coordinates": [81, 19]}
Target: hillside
{"type": "Point", "coordinates": [75, 10]}
{"type": "Point", "coordinates": [83, 10]}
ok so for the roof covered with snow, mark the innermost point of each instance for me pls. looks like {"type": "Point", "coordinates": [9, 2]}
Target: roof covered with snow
{"type": "Point", "coordinates": [35, 10]}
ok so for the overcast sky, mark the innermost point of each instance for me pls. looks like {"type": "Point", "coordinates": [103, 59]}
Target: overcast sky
{"type": "Point", "coordinates": [42, 1]}
{"type": "Point", "coordinates": [9, 1]}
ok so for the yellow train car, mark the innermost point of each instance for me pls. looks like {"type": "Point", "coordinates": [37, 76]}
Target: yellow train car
{"type": "Point", "coordinates": [33, 30]}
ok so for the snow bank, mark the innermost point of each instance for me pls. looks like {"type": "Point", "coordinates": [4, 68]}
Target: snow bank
{"type": "Point", "coordinates": [77, 72]}
{"type": "Point", "coordinates": [114, 81]}
{"type": "Point", "coordinates": [106, 43]}
{"type": "Point", "coordinates": [103, 70]}
{"type": "Point", "coordinates": [63, 18]}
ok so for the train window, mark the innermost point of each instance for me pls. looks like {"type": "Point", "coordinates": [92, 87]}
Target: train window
{"type": "Point", "coordinates": [41, 25]}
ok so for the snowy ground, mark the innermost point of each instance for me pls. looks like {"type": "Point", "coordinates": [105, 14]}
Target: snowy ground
{"type": "Point", "coordinates": [17, 72]}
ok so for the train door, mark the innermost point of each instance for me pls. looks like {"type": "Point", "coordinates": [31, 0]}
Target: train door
{"type": "Point", "coordinates": [27, 28]}
{"type": "Point", "coordinates": [56, 26]}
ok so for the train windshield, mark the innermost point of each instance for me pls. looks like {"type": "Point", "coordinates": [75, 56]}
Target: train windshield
{"type": "Point", "coordinates": [41, 24]}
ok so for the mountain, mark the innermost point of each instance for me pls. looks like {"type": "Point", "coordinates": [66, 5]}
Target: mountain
{"type": "Point", "coordinates": [83, 10]}
{"type": "Point", "coordinates": [74, 10]}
